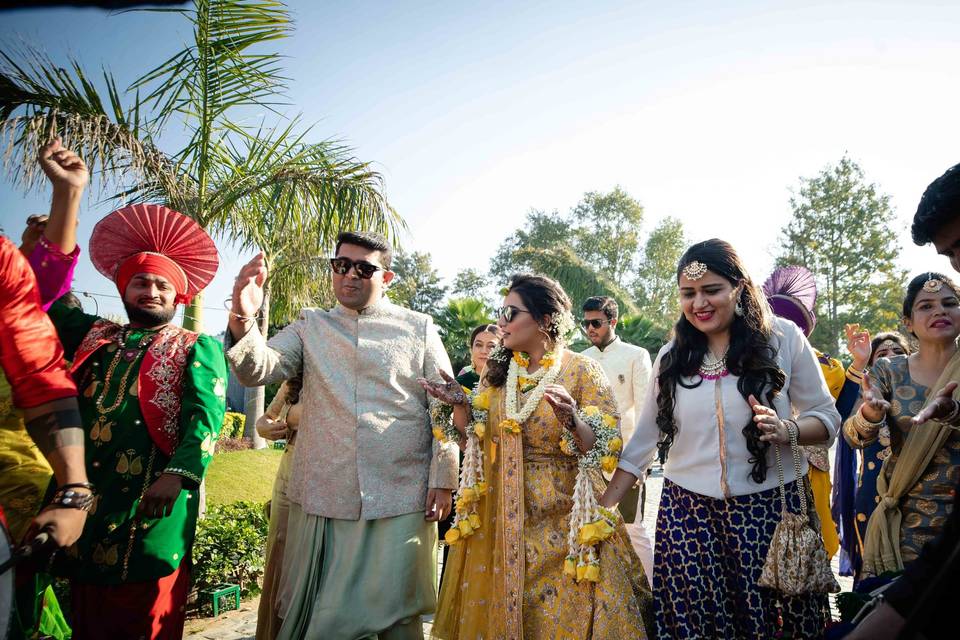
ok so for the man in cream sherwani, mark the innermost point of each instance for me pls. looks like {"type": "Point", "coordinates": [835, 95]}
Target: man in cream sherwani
{"type": "Point", "coordinates": [368, 481]}
{"type": "Point", "coordinates": [628, 369]}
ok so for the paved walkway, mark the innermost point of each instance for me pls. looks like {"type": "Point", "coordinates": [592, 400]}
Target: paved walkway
{"type": "Point", "coordinates": [242, 624]}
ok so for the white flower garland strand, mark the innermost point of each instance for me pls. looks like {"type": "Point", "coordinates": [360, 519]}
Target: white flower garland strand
{"type": "Point", "coordinates": [590, 523]}
{"type": "Point", "coordinates": [516, 417]}
{"type": "Point", "coordinates": [466, 519]}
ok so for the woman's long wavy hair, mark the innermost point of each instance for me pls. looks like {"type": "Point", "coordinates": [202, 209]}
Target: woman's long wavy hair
{"type": "Point", "coordinates": [542, 296]}
{"type": "Point", "coordinates": [750, 356]}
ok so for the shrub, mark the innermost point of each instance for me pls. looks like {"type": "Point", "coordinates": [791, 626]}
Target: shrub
{"type": "Point", "coordinates": [233, 424]}
{"type": "Point", "coordinates": [233, 444]}
{"type": "Point", "coordinates": [230, 546]}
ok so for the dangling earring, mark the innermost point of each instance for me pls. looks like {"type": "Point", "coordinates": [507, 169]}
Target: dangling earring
{"type": "Point", "coordinates": [548, 341]}
{"type": "Point", "coordinates": [738, 308]}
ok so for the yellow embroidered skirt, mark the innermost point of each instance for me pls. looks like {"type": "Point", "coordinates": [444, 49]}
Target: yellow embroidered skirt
{"type": "Point", "coordinates": [506, 580]}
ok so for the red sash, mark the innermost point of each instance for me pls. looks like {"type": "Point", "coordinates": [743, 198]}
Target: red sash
{"type": "Point", "coordinates": [160, 379]}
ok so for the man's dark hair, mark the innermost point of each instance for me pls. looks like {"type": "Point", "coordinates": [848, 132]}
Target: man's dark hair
{"type": "Point", "coordinates": [939, 205]}
{"type": "Point", "coordinates": [603, 303]}
{"type": "Point", "coordinates": [367, 240]}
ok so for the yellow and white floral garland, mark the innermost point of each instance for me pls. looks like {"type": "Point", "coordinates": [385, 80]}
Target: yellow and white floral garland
{"type": "Point", "coordinates": [546, 375]}
{"type": "Point", "coordinates": [590, 523]}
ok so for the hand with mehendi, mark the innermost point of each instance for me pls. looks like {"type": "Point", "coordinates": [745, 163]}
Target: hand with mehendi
{"type": "Point", "coordinates": [564, 406]}
{"type": "Point", "coordinates": [449, 391]}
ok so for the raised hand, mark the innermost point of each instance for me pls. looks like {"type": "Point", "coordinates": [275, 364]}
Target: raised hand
{"type": "Point", "coordinates": [874, 406]}
{"type": "Point", "coordinates": [449, 391]}
{"type": "Point", "coordinates": [858, 344]}
{"type": "Point", "coordinates": [941, 406]}
{"type": "Point", "coordinates": [772, 428]}
{"type": "Point", "coordinates": [248, 287]}
{"type": "Point", "coordinates": [63, 167]}
{"type": "Point", "coordinates": [563, 404]}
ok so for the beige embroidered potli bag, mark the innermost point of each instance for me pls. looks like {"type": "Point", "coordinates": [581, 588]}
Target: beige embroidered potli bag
{"type": "Point", "coordinates": [797, 561]}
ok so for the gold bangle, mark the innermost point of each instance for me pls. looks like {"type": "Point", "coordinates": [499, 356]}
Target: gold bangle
{"type": "Point", "coordinates": [866, 428]}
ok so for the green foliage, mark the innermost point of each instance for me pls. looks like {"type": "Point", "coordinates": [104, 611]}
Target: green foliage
{"type": "Point", "coordinates": [643, 332]}
{"type": "Point", "coordinates": [456, 322]}
{"type": "Point", "coordinates": [469, 283]}
{"type": "Point", "coordinates": [417, 283]}
{"type": "Point", "coordinates": [607, 232]}
{"type": "Point", "coordinates": [656, 283]}
{"type": "Point", "coordinates": [541, 230]}
{"type": "Point", "coordinates": [579, 279]}
{"type": "Point", "coordinates": [230, 546]}
{"type": "Point", "coordinates": [232, 425]}
{"type": "Point", "coordinates": [842, 230]}
{"type": "Point", "coordinates": [595, 250]}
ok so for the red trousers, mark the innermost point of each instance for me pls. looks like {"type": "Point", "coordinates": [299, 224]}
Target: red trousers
{"type": "Point", "coordinates": [151, 610]}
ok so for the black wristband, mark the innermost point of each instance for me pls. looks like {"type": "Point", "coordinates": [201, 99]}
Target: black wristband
{"type": "Point", "coordinates": [77, 485]}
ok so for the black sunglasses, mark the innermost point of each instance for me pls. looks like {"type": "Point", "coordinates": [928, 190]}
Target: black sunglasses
{"type": "Point", "coordinates": [365, 270]}
{"type": "Point", "coordinates": [596, 323]}
{"type": "Point", "coordinates": [508, 312]}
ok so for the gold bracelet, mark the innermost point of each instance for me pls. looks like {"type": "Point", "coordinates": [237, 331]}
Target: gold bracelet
{"type": "Point", "coordinates": [866, 428]}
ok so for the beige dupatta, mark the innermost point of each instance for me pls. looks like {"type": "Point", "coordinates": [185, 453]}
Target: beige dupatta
{"type": "Point", "coordinates": [881, 551]}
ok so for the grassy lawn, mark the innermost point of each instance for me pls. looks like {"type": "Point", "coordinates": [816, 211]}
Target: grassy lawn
{"type": "Point", "coordinates": [242, 475]}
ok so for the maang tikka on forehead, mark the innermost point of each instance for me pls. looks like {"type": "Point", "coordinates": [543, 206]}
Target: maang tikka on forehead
{"type": "Point", "coordinates": [932, 285]}
{"type": "Point", "coordinates": [694, 270]}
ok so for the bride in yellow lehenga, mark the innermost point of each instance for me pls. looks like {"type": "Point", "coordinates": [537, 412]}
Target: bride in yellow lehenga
{"type": "Point", "coordinates": [518, 568]}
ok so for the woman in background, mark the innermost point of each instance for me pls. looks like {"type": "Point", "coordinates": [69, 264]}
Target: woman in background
{"type": "Point", "coordinates": [483, 340]}
{"type": "Point", "coordinates": [279, 422]}
{"type": "Point", "coordinates": [915, 484]}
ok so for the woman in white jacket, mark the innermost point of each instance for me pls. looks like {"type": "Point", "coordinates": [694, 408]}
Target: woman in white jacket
{"type": "Point", "coordinates": [728, 388]}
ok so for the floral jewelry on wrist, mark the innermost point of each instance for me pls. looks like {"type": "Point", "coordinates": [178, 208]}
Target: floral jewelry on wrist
{"type": "Point", "coordinates": [590, 523]}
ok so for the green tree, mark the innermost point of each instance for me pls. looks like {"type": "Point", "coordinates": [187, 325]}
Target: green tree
{"type": "Point", "coordinates": [656, 284]}
{"type": "Point", "coordinates": [840, 229]}
{"type": "Point", "coordinates": [607, 231]}
{"type": "Point", "coordinates": [469, 283]}
{"type": "Point", "coordinates": [267, 189]}
{"type": "Point", "coordinates": [456, 322]}
{"type": "Point", "coordinates": [643, 332]}
{"type": "Point", "coordinates": [591, 251]}
{"type": "Point", "coordinates": [541, 230]}
{"type": "Point", "coordinates": [417, 283]}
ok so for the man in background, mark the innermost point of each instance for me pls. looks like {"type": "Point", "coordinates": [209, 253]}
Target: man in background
{"type": "Point", "coordinates": [628, 369]}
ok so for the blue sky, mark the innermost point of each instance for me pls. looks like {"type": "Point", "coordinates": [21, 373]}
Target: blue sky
{"type": "Point", "coordinates": [477, 112]}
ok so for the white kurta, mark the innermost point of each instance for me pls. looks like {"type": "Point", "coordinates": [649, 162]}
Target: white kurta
{"type": "Point", "coordinates": [628, 369]}
{"type": "Point", "coordinates": [709, 455]}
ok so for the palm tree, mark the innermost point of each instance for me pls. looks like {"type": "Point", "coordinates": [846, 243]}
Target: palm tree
{"type": "Point", "coordinates": [455, 322]}
{"type": "Point", "coordinates": [267, 189]}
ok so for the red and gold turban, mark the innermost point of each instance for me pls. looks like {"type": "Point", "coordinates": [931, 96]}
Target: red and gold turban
{"type": "Point", "coordinates": [150, 238]}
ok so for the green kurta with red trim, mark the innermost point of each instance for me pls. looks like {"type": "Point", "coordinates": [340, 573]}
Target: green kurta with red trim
{"type": "Point", "coordinates": [123, 456]}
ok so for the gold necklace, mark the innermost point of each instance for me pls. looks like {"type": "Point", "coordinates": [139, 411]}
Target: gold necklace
{"type": "Point", "coordinates": [122, 352]}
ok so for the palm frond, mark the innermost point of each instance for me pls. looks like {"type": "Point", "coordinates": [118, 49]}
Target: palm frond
{"type": "Point", "coordinates": [217, 72]}
{"type": "Point", "coordinates": [40, 100]}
